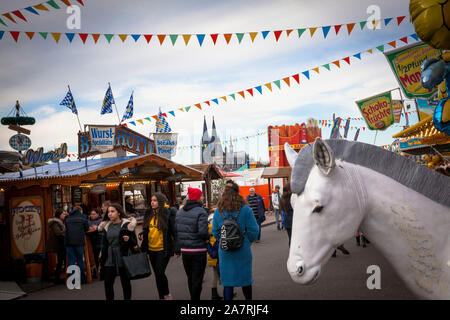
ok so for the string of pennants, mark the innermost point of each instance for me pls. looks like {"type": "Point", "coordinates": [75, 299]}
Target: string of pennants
{"type": "Point", "coordinates": [200, 37]}
{"type": "Point", "coordinates": [281, 83]}
{"type": "Point", "coordinates": [44, 6]}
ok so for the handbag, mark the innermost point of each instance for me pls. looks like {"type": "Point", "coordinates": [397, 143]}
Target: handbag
{"type": "Point", "coordinates": [137, 265]}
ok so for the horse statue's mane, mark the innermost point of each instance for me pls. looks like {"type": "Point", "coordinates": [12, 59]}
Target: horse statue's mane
{"type": "Point", "coordinates": [431, 184]}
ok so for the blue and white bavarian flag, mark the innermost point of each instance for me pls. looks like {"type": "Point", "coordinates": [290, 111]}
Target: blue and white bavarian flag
{"type": "Point", "coordinates": [69, 102]}
{"type": "Point", "coordinates": [107, 102]}
{"type": "Point", "coordinates": [129, 110]}
{"type": "Point", "coordinates": [162, 126]}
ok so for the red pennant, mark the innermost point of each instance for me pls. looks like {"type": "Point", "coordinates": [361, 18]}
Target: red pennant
{"type": "Point", "coordinates": [337, 28]}
{"type": "Point", "coordinates": [15, 35]}
{"type": "Point", "coordinates": [20, 15]}
{"type": "Point", "coordinates": [250, 91]}
{"type": "Point", "coordinates": [80, 2]}
{"type": "Point", "coordinates": [400, 19]}
{"type": "Point", "coordinates": [214, 38]}
{"type": "Point", "coordinates": [148, 37]}
{"type": "Point", "coordinates": [347, 60]}
{"type": "Point", "coordinates": [164, 114]}
{"type": "Point", "coordinates": [124, 124]}
{"type": "Point", "coordinates": [207, 102]}
{"type": "Point", "coordinates": [296, 77]}
{"type": "Point", "coordinates": [277, 34]}
{"type": "Point", "coordinates": [83, 37]}
{"type": "Point", "coordinates": [405, 40]}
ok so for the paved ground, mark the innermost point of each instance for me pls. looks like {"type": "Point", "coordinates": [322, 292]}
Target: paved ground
{"type": "Point", "coordinates": [343, 277]}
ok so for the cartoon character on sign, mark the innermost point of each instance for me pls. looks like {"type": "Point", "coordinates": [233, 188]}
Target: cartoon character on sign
{"type": "Point", "coordinates": [431, 21]}
{"type": "Point", "coordinates": [26, 227]}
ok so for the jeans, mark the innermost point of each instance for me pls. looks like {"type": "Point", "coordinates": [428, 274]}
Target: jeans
{"type": "Point", "coordinates": [159, 263]}
{"type": "Point", "coordinates": [77, 253]}
{"type": "Point", "coordinates": [228, 292]}
{"type": "Point", "coordinates": [110, 276]}
{"type": "Point", "coordinates": [194, 266]}
{"type": "Point", "coordinates": [277, 217]}
{"type": "Point", "coordinates": [259, 232]}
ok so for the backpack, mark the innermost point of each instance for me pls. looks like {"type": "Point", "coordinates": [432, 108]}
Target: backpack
{"type": "Point", "coordinates": [231, 237]}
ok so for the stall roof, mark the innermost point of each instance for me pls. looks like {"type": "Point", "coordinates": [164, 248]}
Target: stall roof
{"type": "Point", "coordinates": [276, 172]}
{"type": "Point", "coordinates": [424, 129]}
{"type": "Point", "coordinates": [74, 172]}
{"type": "Point", "coordinates": [205, 168]}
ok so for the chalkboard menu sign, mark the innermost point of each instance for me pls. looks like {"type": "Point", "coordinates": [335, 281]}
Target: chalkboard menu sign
{"type": "Point", "coordinates": [76, 195]}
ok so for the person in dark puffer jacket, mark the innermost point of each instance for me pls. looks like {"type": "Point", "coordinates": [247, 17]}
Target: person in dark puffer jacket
{"type": "Point", "coordinates": [193, 234]}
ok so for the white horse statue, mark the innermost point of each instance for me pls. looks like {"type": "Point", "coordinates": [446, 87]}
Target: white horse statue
{"type": "Point", "coordinates": [341, 186]}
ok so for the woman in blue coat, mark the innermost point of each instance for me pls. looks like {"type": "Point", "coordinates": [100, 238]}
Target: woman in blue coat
{"type": "Point", "coordinates": [236, 266]}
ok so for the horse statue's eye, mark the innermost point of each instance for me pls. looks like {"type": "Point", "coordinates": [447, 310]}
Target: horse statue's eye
{"type": "Point", "coordinates": [318, 209]}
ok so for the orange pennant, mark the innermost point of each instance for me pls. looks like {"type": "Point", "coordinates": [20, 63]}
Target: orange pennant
{"type": "Point", "coordinates": [161, 38]}
{"type": "Point", "coordinates": [56, 36]}
{"type": "Point", "coordinates": [186, 38]}
{"type": "Point", "coordinates": [393, 44]}
{"type": "Point", "coordinates": [312, 31]}
{"type": "Point", "coordinates": [228, 37]}
{"type": "Point", "coordinates": [288, 32]}
{"type": "Point", "coordinates": [95, 36]}
{"type": "Point", "coordinates": [316, 69]}
{"type": "Point", "coordinates": [40, 7]}
{"type": "Point", "coordinates": [224, 98]}
{"type": "Point", "coordinates": [123, 37]}
{"type": "Point", "coordinates": [155, 117]}
{"type": "Point", "coordinates": [30, 35]}
{"type": "Point", "coordinates": [140, 121]}
{"type": "Point", "coordinates": [242, 94]}
{"type": "Point", "coordinates": [350, 27]}
{"type": "Point", "coordinates": [370, 51]}
{"type": "Point", "coordinates": [198, 106]}
{"type": "Point", "coordinates": [253, 35]}
{"type": "Point", "coordinates": [8, 15]}
{"type": "Point", "coordinates": [337, 63]}
{"type": "Point", "coordinates": [269, 86]}
{"type": "Point", "coordinates": [288, 81]}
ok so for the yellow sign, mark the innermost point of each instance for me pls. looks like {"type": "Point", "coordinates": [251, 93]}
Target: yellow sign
{"type": "Point", "coordinates": [294, 146]}
{"type": "Point", "coordinates": [377, 111]}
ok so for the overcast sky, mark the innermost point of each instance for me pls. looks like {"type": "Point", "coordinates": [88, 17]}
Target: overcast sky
{"type": "Point", "coordinates": [36, 72]}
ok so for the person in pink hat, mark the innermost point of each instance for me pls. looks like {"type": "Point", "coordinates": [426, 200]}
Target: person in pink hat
{"type": "Point", "coordinates": [193, 234]}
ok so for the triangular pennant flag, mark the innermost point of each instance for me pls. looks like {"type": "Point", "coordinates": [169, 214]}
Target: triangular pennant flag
{"type": "Point", "coordinates": [239, 36]}
{"type": "Point", "coordinates": [228, 37]}
{"type": "Point", "coordinates": [312, 31]}
{"type": "Point", "coordinates": [200, 38]}
{"type": "Point", "coordinates": [173, 38]}
{"type": "Point", "coordinates": [400, 19]}
{"type": "Point", "coordinates": [242, 94]}
{"type": "Point", "coordinates": [375, 23]}
{"type": "Point", "coordinates": [3, 23]}
{"type": "Point", "coordinates": [125, 125]}
{"type": "Point", "coordinates": [164, 114]}
{"type": "Point", "coordinates": [214, 38]}
{"type": "Point", "coordinates": [148, 37]}
{"type": "Point", "coordinates": [70, 36]}
{"type": "Point", "coordinates": [41, 7]}
{"type": "Point", "coordinates": [405, 40]}
{"type": "Point", "coordinates": [215, 100]}
{"type": "Point", "coordinates": [265, 33]}
{"type": "Point", "coordinates": [350, 27]}
{"type": "Point", "coordinates": [156, 118]}
{"type": "Point", "coordinates": [80, 2]}
{"type": "Point", "coordinates": [415, 37]}
{"type": "Point", "coordinates": [66, 2]}
{"type": "Point", "coordinates": [259, 88]}
{"type": "Point", "coordinates": [358, 55]}
{"type": "Point", "coordinates": [277, 34]}
{"type": "Point", "coordinates": [250, 91]}
{"type": "Point", "coordinates": [232, 95]}
{"type": "Point", "coordinates": [19, 14]}
{"type": "Point", "coordinates": [269, 86]}
{"type": "Point", "coordinates": [133, 123]}
{"type": "Point", "coordinates": [95, 36]}
{"type": "Point", "coordinates": [187, 108]}
{"type": "Point", "coordinates": [363, 24]}
{"type": "Point", "coordinates": [8, 15]}
{"type": "Point", "coordinates": [316, 69]}
{"type": "Point", "coordinates": [337, 63]}
{"type": "Point", "coordinates": [253, 35]}
{"type": "Point", "coordinates": [29, 34]}
{"type": "Point", "coordinates": [300, 32]}
{"type": "Point", "coordinates": [347, 60]}
{"type": "Point", "coordinates": [326, 30]}
{"type": "Point", "coordinates": [84, 36]}
{"type": "Point", "coordinates": [186, 38]}
{"type": "Point", "coordinates": [370, 51]}
{"type": "Point", "coordinates": [337, 28]}
{"type": "Point", "coordinates": [123, 37]}
{"type": "Point", "coordinates": [140, 121]}
{"type": "Point", "coordinates": [15, 35]}
{"type": "Point", "coordinates": [207, 102]}
{"type": "Point", "coordinates": [30, 9]}
{"type": "Point", "coordinates": [198, 106]}
{"type": "Point", "coordinates": [393, 44]}
{"type": "Point", "coordinates": [148, 118]}
{"type": "Point", "coordinates": [288, 81]}
{"type": "Point", "coordinates": [161, 38]}
{"type": "Point", "coordinates": [136, 37]}
{"type": "Point", "coordinates": [296, 77]}
{"type": "Point", "coordinates": [172, 113]}
{"type": "Point", "coordinates": [386, 21]}
{"type": "Point", "coordinates": [43, 34]}
{"type": "Point", "coordinates": [277, 82]}
{"type": "Point", "coordinates": [381, 48]}
{"type": "Point", "coordinates": [306, 74]}
{"type": "Point", "coordinates": [56, 36]}
{"type": "Point", "coordinates": [53, 4]}
{"type": "Point", "coordinates": [326, 66]}
{"type": "Point", "coordinates": [181, 109]}
{"type": "Point", "coordinates": [224, 98]}
{"type": "Point", "coordinates": [109, 37]}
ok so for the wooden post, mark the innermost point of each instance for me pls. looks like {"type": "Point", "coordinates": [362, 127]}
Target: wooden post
{"type": "Point", "coordinates": [270, 195]}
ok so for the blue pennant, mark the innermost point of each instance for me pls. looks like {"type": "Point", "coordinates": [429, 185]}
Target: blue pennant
{"type": "Point", "coordinates": [326, 30]}
{"type": "Point", "coordinates": [136, 37]}
{"type": "Point", "coordinates": [306, 73]}
{"type": "Point", "coordinates": [265, 33]}
{"type": "Point", "coordinates": [200, 38]}
{"type": "Point", "coordinates": [259, 88]}
{"type": "Point", "coordinates": [70, 36]}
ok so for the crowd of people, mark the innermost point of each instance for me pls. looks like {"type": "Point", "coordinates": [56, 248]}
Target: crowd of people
{"type": "Point", "coordinates": [190, 231]}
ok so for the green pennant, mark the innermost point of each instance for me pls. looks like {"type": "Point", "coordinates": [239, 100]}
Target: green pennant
{"type": "Point", "coordinates": [148, 118]}
{"type": "Point", "coordinates": [381, 48]}
{"type": "Point", "coordinates": [240, 36]}
{"type": "Point", "coordinates": [232, 95]}
{"type": "Point", "coordinates": [300, 32]}
{"type": "Point", "coordinates": [53, 4]}
{"type": "Point", "coordinates": [362, 24]}
{"type": "Point", "coordinates": [327, 66]}
{"type": "Point", "coordinates": [1, 21]}
{"type": "Point", "coordinates": [173, 38]}
{"type": "Point", "coordinates": [44, 34]}
{"type": "Point", "coordinates": [277, 82]}
{"type": "Point", "coordinates": [187, 108]}
{"type": "Point", "coordinates": [109, 37]}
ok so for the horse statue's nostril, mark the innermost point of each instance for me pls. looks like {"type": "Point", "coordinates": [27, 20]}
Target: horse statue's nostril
{"type": "Point", "coordinates": [300, 268]}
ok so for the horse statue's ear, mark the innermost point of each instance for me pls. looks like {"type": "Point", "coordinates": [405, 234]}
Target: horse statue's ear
{"type": "Point", "coordinates": [291, 155]}
{"type": "Point", "coordinates": [323, 156]}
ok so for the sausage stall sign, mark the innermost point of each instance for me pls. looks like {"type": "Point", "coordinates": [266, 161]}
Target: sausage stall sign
{"type": "Point", "coordinates": [377, 111]}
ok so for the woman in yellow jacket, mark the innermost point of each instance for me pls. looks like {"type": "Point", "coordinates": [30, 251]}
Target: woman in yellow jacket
{"type": "Point", "coordinates": [213, 262]}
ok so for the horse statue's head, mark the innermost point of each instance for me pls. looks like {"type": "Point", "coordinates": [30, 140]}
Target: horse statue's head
{"type": "Point", "coordinates": [321, 221]}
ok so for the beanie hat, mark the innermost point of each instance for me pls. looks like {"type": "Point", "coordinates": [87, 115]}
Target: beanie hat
{"type": "Point", "coordinates": [194, 194]}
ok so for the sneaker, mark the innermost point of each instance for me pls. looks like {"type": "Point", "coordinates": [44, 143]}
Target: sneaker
{"type": "Point", "coordinates": [168, 297]}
